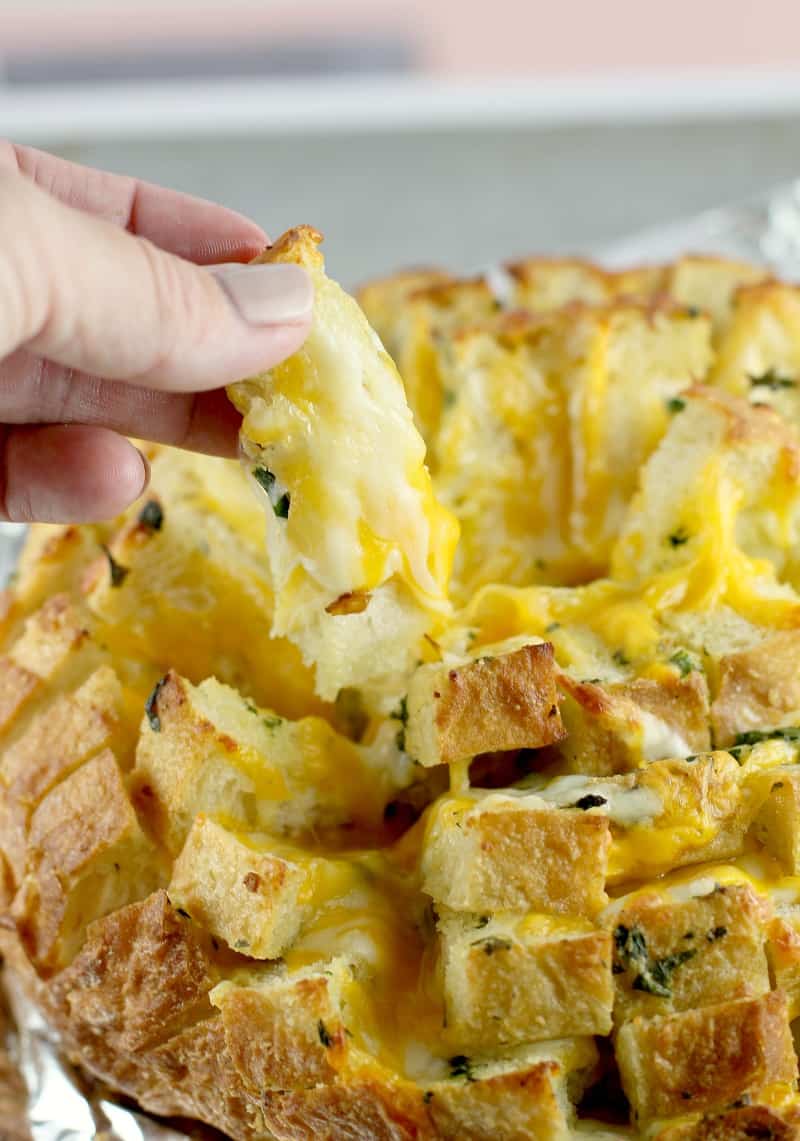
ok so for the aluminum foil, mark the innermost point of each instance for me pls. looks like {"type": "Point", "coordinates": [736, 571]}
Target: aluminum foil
{"type": "Point", "coordinates": [61, 1105]}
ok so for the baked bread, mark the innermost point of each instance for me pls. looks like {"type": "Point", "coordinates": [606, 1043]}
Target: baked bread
{"type": "Point", "coordinates": [303, 836]}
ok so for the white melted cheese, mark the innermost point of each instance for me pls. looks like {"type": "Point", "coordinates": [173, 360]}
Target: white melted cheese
{"type": "Point", "coordinates": [624, 806]}
{"type": "Point", "coordinates": [660, 741]}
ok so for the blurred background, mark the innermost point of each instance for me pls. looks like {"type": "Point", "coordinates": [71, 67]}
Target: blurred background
{"type": "Point", "coordinates": [419, 130]}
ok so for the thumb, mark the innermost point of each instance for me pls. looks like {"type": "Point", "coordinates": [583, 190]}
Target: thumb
{"type": "Point", "coordinates": [79, 291]}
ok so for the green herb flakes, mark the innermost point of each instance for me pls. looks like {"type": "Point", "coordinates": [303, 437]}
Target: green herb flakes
{"type": "Point", "coordinates": [491, 944]}
{"type": "Point", "coordinates": [679, 537]}
{"type": "Point", "coordinates": [151, 705]}
{"type": "Point", "coordinates": [151, 517]}
{"type": "Point", "coordinates": [654, 976]}
{"type": "Point", "coordinates": [772, 380]}
{"type": "Point", "coordinates": [280, 502]}
{"type": "Point", "coordinates": [461, 1067]}
{"type": "Point", "coordinates": [683, 661]}
{"type": "Point", "coordinates": [118, 572]}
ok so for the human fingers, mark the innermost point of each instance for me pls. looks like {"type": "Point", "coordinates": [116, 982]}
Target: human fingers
{"type": "Point", "coordinates": [78, 290]}
{"type": "Point", "coordinates": [37, 391]}
{"type": "Point", "coordinates": [67, 474]}
{"type": "Point", "coordinates": [190, 227]}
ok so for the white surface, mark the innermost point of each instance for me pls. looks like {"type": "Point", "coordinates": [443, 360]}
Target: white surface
{"type": "Point", "coordinates": [117, 112]}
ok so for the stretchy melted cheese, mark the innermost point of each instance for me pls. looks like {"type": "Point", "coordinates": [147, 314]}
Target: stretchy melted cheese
{"type": "Point", "coordinates": [359, 548]}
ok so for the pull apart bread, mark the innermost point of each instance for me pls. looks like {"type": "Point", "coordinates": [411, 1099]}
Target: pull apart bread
{"type": "Point", "coordinates": [341, 828]}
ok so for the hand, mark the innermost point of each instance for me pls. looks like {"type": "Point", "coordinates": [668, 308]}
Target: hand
{"type": "Point", "coordinates": [109, 327]}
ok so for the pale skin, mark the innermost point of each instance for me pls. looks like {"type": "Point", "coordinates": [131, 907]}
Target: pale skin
{"type": "Point", "coordinates": [112, 325]}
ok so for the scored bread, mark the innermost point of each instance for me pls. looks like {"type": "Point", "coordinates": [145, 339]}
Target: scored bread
{"type": "Point", "coordinates": [299, 839]}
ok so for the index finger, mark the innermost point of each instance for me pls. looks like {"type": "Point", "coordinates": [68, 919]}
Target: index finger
{"type": "Point", "coordinates": [190, 227]}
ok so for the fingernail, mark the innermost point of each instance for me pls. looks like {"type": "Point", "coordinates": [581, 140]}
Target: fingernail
{"type": "Point", "coordinates": [146, 473]}
{"type": "Point", "coordinates": [267, 294]}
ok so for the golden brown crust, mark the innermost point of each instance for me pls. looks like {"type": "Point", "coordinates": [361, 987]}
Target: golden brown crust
{"type": "Point", "coordinates": [285, 1034]}
{"type": "Point", "coordinates": [509, 858]}
{"type": "Point", "coordinates": [707, 1058]}
{"type": "Point", "coordinates": [298, 245]}
{"type": "Point", "coordinates": [757, 688]}
{"type": "Point", "coordinates": [363, 1109]}
{"type": "Point", "coordinates": [87, 856]}
{"type": "Point", "coordinates": [607, 734]}
{"type": "Point", "coordinates": [491, 704]}
{"type": "Point", "coordinates": [679, 954]}
{"type": "Point", "coordinates": [509, 982]}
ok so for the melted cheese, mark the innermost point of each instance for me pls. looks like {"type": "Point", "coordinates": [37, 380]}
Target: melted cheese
{"type": "Point", "coordinates": [348, 499]}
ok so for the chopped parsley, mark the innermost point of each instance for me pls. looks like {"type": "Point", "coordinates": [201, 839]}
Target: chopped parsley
{"type": "Point", "coordinates": [427, 1097]}
{"type": "Point", "coordinates": [151, 705]}
{"type": "Point", "coordinates": [324, 1037]}
{"type": "Point", "coordinates": [491, 944]}
{"type": "Point", "coordinates": [461, 1067]}
{"type": "Point", "coordinates": [620, 658]}
{"type": "Point", "coordinates": [272, 722]}
{"type": "Point", "coordinates": [280, 502]}
{"type": "Point", "coordinates": [151, 517]}
{"type": "Point", "coordinates": [591, 800]}
{"type": "Point", "coordinates": [693, 311]}
{"type": "Point", "coordinates": [675, 404]}
{"type": "Point", "coordinates": [755, 736]}
{"type": "Point", "coordinates": [716, 933]}
{"type": "Point", "coordinates": [118, 572]}
{"type": "Point", "coordinates": [683, 661]}
{"type": "Point", "coordinates": [654, 976]}
{"type": "Point", "coordinates": [771, 379]}
{"type": "Point", "coordinates": [401, 714]}
{"type": "Point", "coordinates": [678, 537]}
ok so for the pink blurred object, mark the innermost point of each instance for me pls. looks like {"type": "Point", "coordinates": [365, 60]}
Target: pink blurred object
{"type": "Point", "coordinates": [446, 37]}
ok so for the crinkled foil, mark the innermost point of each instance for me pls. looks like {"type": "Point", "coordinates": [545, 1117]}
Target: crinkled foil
{"type": "Point", "coordinates": [52, 1102]}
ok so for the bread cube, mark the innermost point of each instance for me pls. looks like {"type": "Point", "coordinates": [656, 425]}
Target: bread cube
{"type": "Point", "coordinates": [758, 356]}
{"type": "Point", "coordinates": [54, 649]}
{"type": "Point", "coordinates": [489, 704]}
{"type": "Point", "coordinates": [783, 951]}
{"type": "Point", "coordinates": [707, 1058]}
{"type": "Point", "coordinates": [288, 1030]}
{"type": "Point", "coordinates": [71, 729]}
{"type": "Point", "coordinates": [722, 459]}
{"type": "Point", "coordinates": [777, 821]}
{"type": "Point", "coordinates": [695, 945]}
{"type": "Point", "coordinates": [692, 810]}
{"type": "Point", "coordinates": [516, 853]}
{"type": "Point", "coordinates": [205, 749]}
{"type": "Point", "coordinates": [616, 727]}
{"type": "Point", "coordinates": [510, 979]}
{"type": "Point", "coordinates": [776, 1115]}
{"type": "Point", "coordinates": [87, 856]}
{"type": "Point", "coordinates": [251, 890]}
{"type": "Point", "coordinates": [758, 688]}
{"type": "Point", "coordinates": [143, 976]}
{"type": "Point", "coordinates": [712, 284]}
{"type": "Point", "coordinates": [524, 1095]}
